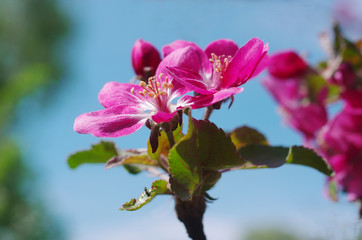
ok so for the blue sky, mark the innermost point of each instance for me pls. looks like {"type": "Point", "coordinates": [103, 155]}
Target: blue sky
{"type": "Point", "coordinates": [98, 50]}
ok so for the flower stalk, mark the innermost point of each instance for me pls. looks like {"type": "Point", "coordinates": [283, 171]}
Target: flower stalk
{"type": "Point", "coordinates": [190, 213]}
{"type": "Point", "coordinates": [207, 112]}
{"type": "Point", "coordinates": [168, 130]}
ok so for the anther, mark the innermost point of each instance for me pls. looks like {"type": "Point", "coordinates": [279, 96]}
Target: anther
{"type": "Point", "coordinates": [151, 94]}
{"type": "Point", "coordinates": [142, 84]}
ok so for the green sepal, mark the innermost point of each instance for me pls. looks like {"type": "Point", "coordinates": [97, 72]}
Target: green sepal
{"type": "Point", "coordinates": [261, 156]}
{"type": "Point", "coordinates": [163, 145]}
{"type": "Point", "coordinates": [246, 135]}
{"type": "Point", "coordinates": [332, 189]}
{"type": "Point", "coordinates": [158, 187]}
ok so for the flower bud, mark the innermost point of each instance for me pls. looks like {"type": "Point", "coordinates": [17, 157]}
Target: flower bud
{"type": "Point", "coordinates": [344, 76]}
{"type": "Point", "coordinates": [145, 58]}
{"type": "Point", "coordinates": [286, 65]}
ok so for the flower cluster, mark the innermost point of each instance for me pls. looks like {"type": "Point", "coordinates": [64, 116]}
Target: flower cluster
{"type": "Point", "coordinates": [214, 74]}
{"type": "Point", "coordinates": [303, 93]}
{"type": "Point", "coordinates": [290, 83]}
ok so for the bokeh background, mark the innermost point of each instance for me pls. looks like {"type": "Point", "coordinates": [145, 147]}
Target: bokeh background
{"type": "Point", "coordinates": [55, 56]}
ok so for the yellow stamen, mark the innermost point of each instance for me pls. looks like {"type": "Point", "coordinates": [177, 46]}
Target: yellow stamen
{"type": "Point", "coordinates": [142, 84]}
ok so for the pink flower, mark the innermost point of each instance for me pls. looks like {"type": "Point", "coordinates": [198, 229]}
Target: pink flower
{"type": "Point", "coordinates": [145, 57]}
{"type": "Point", "coordinates": [288, 85]}
{"type": "Point", "coordinates": [341, 144]}
{"type": "Point", "coordinates": [128, 106]}
{"type": "Point", "coordinates": [286, 65]}
{"type": "Point", "coordinates": [307, 119]}
{"type": "Point", "coordinates": [221, 68]}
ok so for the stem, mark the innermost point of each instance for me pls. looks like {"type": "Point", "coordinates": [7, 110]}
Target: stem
{"type": "Point", "coordinates": [208, 111]}
{"type": "Point", "coordinates": [168, 130]}
{"type": "Point", "coordinates": [191, 213]}
{"type": "Point", "coordinates": [170, 138]}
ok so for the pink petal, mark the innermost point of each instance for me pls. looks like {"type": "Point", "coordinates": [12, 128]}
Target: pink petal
{"type": "Point", "coordinates": [191, 80]}
{"type": "Point", "coordinates": [201, 101]}
{"type": "Point", "coordinates": [286, 65]}
{"type": "Point", "coordinates": [222, 47]}
{"type": "Point", "coordinates": [206, 67]}
{"type": "Point", "coordinates": [163, 117]}
{"type": "Point", "coordinates": [178, 44]}
{"type": "Point", "coordinates": [263, 63]}
{"type": "Point", "coordinates": [244, 63]}
{"type": "Point", "coordinates": [115, 121]}
{"type": "Point", "coordinates": [316, 115]}
{"type": "Point", "coordinates": [353, 97]}
{"type": "Point", "coordinates": [114, 93]}
{"type": "Point", "coordinates": [184, 58]}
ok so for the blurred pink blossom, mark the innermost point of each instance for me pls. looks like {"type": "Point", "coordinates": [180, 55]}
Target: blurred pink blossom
{"type": "Point", "coordinates": [288, 85]}
{"type": "Point", "coordinates": [341, 144]}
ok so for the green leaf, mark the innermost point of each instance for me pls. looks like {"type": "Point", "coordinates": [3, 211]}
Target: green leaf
{"type": "Point", "coordinates": [246, 135]}
{"type": "Point", "coordinates": [205, 147]}
{"type": "Point", "coordinates": [134, 161]}
{"type": "Point", "coordinates": [99, 153]}
{"type": "Point", "coordinates": [308, 157]}
{"type": "Point", "coordinates": [210, 178]}
{"type": "Point", "coordinates": [158, 187]}
{"type": "Point", "coordinates": [261, 156]}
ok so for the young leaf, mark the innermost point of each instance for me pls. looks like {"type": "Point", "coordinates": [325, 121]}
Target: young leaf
{"type": "Point", "coordinates": [205, 147]}
{"type": "Point", "coordinates": [133, 161]}
{"type": "Point", "coordinates": [130, 158]}
{"type": "Point", "coordinates": [261, 156]}
{"type": "Point", "coordinates": [246, 135]}
{"type": "Point", "coordinates": [264, 156]}
{"type": "Point", "coordinates": [307, 157]}
{"type": "Point", "coordinates": [210, 178]}
{"type": "Point", "coordinates": [158, 187]}
{"type": "Point", "coordinates": [99, 153]}
{"type": "Point", "coordinates": [213, 149]}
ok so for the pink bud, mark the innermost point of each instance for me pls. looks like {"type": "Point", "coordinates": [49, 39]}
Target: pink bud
{"type": "Point", "coordinates": [344, 76]}
{"type": "Point", "coordinates": [144, 57]}
{"type": "Point", "coordinates": [286, 65]}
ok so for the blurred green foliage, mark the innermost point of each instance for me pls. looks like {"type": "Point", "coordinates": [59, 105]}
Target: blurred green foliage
{"type": "Point", "coordinates": [22, 217]}
{"type": "Point", "coordinates": [30, 31]}
{"type": "Point", "coordinates": [270, 234]}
